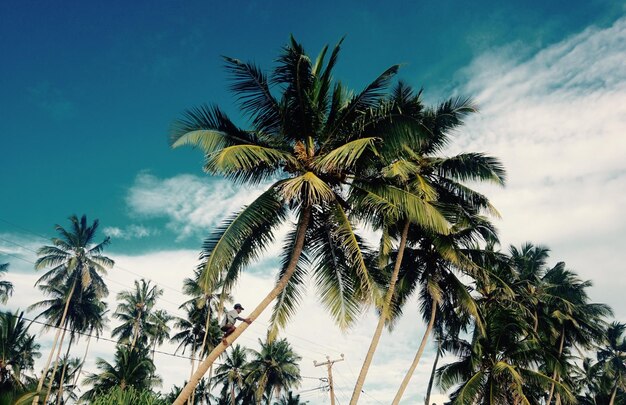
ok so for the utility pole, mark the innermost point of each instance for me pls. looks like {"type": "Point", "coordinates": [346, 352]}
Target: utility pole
{"type": "Point", "coordinates": [329, 365]}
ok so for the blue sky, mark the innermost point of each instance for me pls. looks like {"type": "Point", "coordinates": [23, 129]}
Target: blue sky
{"type": "Point", "coordinates": [89, 91]}
{"type": "Point", "coordinates": [90, 88]}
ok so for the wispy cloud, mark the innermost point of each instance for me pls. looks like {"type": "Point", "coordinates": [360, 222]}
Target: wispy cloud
{"type": "Point", "coordinates": [130, 232]}
{"type": "Point", "coordinates": [557, 119]}
{"type": "Point", "coordinates": [191, 204]}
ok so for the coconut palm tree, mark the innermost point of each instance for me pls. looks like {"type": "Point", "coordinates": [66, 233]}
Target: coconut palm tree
{"type": "Point", "coordinates": [132, 367]}
{"type": "Point", "coordinates": [63, 384]}
{"type": "Point", "coordinates": [575, 323]}
{"type": "Point", "coordinates": [136, 311]}
{"type": "Point", "coordinates": [77, 261]}
{"type": "Point", "coordinates": [159, 329]}
{"type": "Point", "coordinates": [408, 169]}
{"type": "Point", "coordinates": [18, 349]}
{"type": "Point", "coordinates": [307, 142]}
{"type": "Point", "coordinates": [85, 314]}
{"type": "Point", "coordinates": [231, 373]}
{"type": "Point", "coordinates": [273, 369]}
{"type": "Point", "coordinates": [6, 287]}
{"type": "Point", "coordinates": [290, 399]}
{"type": "Point", "coordinates": [612, 358]}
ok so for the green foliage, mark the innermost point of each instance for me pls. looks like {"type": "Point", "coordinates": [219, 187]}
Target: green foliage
{"type": "Point", "coordinates": [128, 396]}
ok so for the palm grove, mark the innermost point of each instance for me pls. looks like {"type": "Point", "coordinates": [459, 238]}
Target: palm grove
{"type": "Point", "coordinates": [517, 329]}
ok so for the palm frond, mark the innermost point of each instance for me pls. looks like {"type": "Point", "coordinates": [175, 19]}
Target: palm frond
{"type": "Point", "coordinates": [345, 156]}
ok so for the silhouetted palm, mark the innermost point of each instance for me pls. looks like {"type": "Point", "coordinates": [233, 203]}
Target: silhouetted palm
{"type": "Point", "coordinates": [6, 287]}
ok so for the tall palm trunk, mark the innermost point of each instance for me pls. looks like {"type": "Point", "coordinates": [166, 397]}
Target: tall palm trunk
{"type": "Point", "coordinates": [383, 317]}
{"type": "Point", "coordinates": [56, 338]}
{"type": "Point", "coordinates": [432, 374]}
{"type": "Point", "coordinates": [232, 394]}
{"type": "Point", "coordinates": [67, 354]}
{"type": "Point", "coordinates": [80, 368]}
{"type": "Point", "coordinates": [193, 366]}
{"type": "Point", "coordinates": [303, 223]}
{"type": "Point", "coordinates": [418, 355]}
{"type": "Point", "coordinates": [555, 373]}
{"type": "Point", "coordinates": [206, 327]}
{"type": "Point", "coordinates": [56, 363]}
{"type": "Point", "coordinates": [614, 393]}
{"type": "Point", "coordinates": [135, 333]}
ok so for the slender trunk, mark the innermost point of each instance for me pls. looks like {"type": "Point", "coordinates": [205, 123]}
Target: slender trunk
{"type": "Point", "coordinates": [193, 366]}
{"type": "Point", "coordinates": [80, 368]}
{"type": "Point", "coordinates": [206, 328]}
{"type": "Point", "coordinates": [555, 373]}
{"type": "Point", "coordinates": [232, 394]}
{"type": "Point", "coordinates": [383, 317]}
{"type": "Point", "coordinates": [135, 334]}
{"type": "Point", "coordinates": [56, 338]}
{"type": "Point", "coordinates": [303, 224]}
{"type": "Point", "coordinates": [56, 363]}
{"type": "Point", "coordinates": [67, 354]}
{"type": "Point", "coordinates": [418, 355]}
{"type": "Point", "coordinates": [432, 374]}
{"type": "Point", "coordinates": [614, 393]}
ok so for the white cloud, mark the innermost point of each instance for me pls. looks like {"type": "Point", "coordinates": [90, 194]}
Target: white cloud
{"type": "Point", "coordinates": [192, 205]}
{"type": "Point", "coordinates": [557, 120]}
{"type": "Point", "coordinates": [130, 232]}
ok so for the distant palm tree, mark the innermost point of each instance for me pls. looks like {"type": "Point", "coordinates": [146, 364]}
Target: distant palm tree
{"type": "Point", "coordinates": [132, 367]}
{"type": "Point", "coordinates": [307, 142]}
{"type": "Point", "coordinates": [85, 313]}
{"type": "Point", "coordinates": [63, 384]}
{"type": "Point", "coordinates": [6, 287]}
{"type": "Point", "coordinates": [290, 399]}
{"type": "Point", "coordinates": [136, 311]}
{"type": "Point", "coordinates": [77, 262]}
{"type": "Point", "coordinates": [273, 369]}
{"type": "Point", "coordinates": [231, 373]}
{"type": "Point", "coordinates": [612, 358]}
{"type": "Point", "coordinates": [159, 329]}
{"type": "Point", "coordinates": [18, 349]}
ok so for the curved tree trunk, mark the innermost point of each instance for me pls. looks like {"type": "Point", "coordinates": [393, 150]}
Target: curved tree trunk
{"type": "Point", "coordinates": [303, 224]}
{"type": "Point", "coordinates": [67, 354]}
{"type": "Point", "coordinates": [614, 393]}
{"type": "Point", "coordinates": [56, 338]}
{"type": "Point", "coordinates": [555, 374]}
{"type": "Point", "coordinates": [432, 374]}
{"type": "Point", "coordinates": [56, 364]}
{"type": "Point", "coordinates": [80, 368]}
{"type": "Point", "coordinates": [383, 317]}
{"type": "Point", "coordinates": [418, 355]}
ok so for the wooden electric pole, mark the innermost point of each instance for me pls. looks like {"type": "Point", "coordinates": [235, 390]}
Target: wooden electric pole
{"type": "Point", "coordinates": [329, 365]}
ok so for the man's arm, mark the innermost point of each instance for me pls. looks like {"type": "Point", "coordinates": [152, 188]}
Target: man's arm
{"type": "Point", "coordinates": [246, 320]}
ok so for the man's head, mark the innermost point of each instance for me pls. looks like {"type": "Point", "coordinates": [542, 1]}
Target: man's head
{"type": "Point", "coordinates": [238, 308]}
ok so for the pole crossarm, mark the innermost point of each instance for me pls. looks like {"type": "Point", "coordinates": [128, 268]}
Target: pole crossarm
{"type": "Point", "coordinates": [329, 365]}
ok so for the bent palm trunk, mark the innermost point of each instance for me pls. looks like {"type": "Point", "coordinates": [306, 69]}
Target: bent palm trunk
{"type": "Point", "coordinates": [56, 338]}
{"type": "Point", "coordinates": [418, 355]}
{"type": "Point", "coordinates": [67, 353]}
{"type": "Point", "coordinates": [303, 223]}
{"type": "Point", "coordinates": [80, 368]}
{"type": "Point", "coordinates": [383, 317]}
{"type": "Point", "coordinates": [56, 364]}
{"type": "Point", "coordinates": [432, 374]}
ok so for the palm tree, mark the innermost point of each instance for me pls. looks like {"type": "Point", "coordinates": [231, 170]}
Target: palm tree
{"type": "Point", "coordinates": [132, 367]}
{"type": "Point", "coordinates": [575, 322]}
{"type": "Point", "coordinates": [408, 180]}
{"type": "Point", "coordinates": [77, 262]}
{"type": "Point", "coordinates": [85, 314]}
{"type": "Point", "coordinates": [273, 369]}
{"type": "Point", "coordinates": [6, 287]}
{"type": "Point", "coordinates": [308, 142]}
{"type": "Point", "coordinates": [63, 384]}
{"type": "Point", "coordinates": [159, 329]}
{"type": "Point", "coordinates": [18, 349]}
{"type": "Point", "coordinates": [290, 399]}
{"type": "Point", "coordinates": [136, 313]}
{"type": "Point", "coordinates": [612, 358]}
{"type": "Point", "coordinates": [231, 372]}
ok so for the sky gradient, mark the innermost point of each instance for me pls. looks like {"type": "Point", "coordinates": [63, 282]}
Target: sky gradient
{"type": "Point", "coordinates": [89, 92]}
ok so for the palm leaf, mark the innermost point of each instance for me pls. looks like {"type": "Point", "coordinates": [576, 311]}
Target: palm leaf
{"type": "Point", "coordinates": [307, 188]}
{"type": "Point", "coordinates": [345, 156]}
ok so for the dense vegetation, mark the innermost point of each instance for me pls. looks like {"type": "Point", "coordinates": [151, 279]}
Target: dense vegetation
{"type": "Point", "coordinates": [519, 330]}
